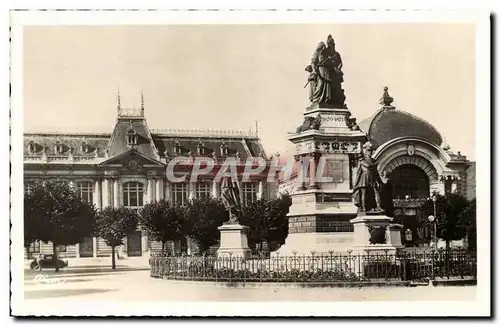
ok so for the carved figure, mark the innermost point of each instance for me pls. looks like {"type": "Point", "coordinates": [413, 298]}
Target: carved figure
{"type": "Point", "coordinates": [310, 123]}
{"type": "Point", "coordinates": [367, 184]}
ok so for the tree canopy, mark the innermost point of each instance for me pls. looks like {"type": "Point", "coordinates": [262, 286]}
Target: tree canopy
{"type": "Point", "coordinates": [53, 212]}
{"type": "Point", "coordinates": [203, 216]}
{"type": "Point", "coordinates": [114, 224]}
{"type": "Point", "coordinates": [162, 221]}
{"type": "Point", "coordinates": [453, 216]}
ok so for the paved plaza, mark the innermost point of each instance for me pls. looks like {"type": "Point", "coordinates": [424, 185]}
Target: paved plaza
{"type": "Point", "coordinates": [128, 284]}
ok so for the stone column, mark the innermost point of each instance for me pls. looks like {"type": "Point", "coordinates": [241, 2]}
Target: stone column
{"type": "Point", "coordinates": [144, 242]}
{"type": "Point", "coordinates": [94, 247]}
{"type": "Point", "coordinates": [168, 191]}
{"type": "Point", "coordinates": [97, 194]}
{"type": "Point", "coordinates": [215, 189]}
{"type": "Point", "coordinates": [240, 187]}
{"type": "Point", "coordinates": [312, 172]}
{"type": "Point", "coordinates": [106, 195]}
{"type": "Point", "coordinates": [159, 189]}
{"type": "Point", "coordinates": [302, 173]}
{"type": "Point", "coordinates": [191, 186]}
{"type": "Point", "coordinates": [151, 190]}
{"type": "Point", "coordinates": [116, 193]}
{"type": "Point", "coordinates": [260, 191]}
{"type": "Point", "coordinates": [77, 250]}
{"type": "Point", "coordinates": [454, 183]}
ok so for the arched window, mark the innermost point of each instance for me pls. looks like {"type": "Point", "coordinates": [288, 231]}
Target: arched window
{"type": "Point", "coordinates": [131, 137]}
{"type": "Point", "coordinates": [31, 147]}
{"type": "Point", "coordinates": [133, 194]}
{"type": "Point", "coordinates": [85, 190]}
{"type": "Point", "coordinates": [409, 180]}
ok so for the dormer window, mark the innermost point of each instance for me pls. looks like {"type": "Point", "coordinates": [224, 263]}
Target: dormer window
{"type": "Point", "coordinates": [131, 137]}
{"type": "Point", "coordinates": [223, 149]}
{"type": "Point", "coordinates": [58, 148]}
{"type": "Point", "coordinates": [31, 147]}
{"type": "Point", "coordinates": [85, 146]}
{"type": "Point", "coordinates": [200, 148]}
{"type": "Point", "coordinates": [177, 147]}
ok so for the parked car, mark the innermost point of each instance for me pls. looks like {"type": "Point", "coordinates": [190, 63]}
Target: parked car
{"type": "Point", "coordinates": [47, 261]}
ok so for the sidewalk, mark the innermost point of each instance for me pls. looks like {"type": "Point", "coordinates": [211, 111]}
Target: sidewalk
{"type": "Point", "coordinates": [103, 262]}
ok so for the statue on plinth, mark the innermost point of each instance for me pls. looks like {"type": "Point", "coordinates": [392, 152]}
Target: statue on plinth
{"type": "Point", "coordinates": [386, 99]}
{"type": "Point", "coordinates": [230, 194]}
{"type": "Point", "coordinates": [326, 71]}
{"type": "Point", "coordinates": [369, 186]}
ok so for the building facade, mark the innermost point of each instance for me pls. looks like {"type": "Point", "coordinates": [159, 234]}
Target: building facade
{"type": "Point", "coordinates": [128, 167]}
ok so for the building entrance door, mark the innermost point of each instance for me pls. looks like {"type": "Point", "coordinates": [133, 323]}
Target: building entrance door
{"type": "Point", "coordinates": [134, 244]}
{"type": "Point", "coordinates": [87, 247]}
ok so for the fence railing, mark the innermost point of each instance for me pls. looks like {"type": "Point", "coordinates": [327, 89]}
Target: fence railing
{"type": "Point", "coordinates": [334, 267]}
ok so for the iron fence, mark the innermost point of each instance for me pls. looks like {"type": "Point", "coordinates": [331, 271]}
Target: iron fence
{"type": "Point", "coordinates": [403, 265]}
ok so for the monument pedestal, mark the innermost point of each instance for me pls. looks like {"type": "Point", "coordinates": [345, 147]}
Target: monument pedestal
{"type": "Point", "coordinates": [366, 240]}
{"type": "Point", "coordinates": [233, 241]}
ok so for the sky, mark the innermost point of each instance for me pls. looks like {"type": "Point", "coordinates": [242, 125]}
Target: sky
{"type": "Point", "coordinates": [229, 76]}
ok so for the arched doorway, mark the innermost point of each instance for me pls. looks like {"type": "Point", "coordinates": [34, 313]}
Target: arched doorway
{"type": "Point", "coordinates": [409, 180]}
{"type": "Point", "coordinates": [410, 185]}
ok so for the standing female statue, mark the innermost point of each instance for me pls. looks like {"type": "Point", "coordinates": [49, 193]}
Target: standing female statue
{"type": "Point", "coordinates": [326, 64]}
{"type": "Point", "coordinates": [320, 64]}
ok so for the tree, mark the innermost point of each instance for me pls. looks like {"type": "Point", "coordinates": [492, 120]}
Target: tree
{"type": "Point", "coordinates": [162, 222]}
{"type": "Point", "coordinates": [267, 220]}
{"type": "Point", "coordinates": [203, 216]}
{"type": "Point", "coordinates": [452, 216]}
{"type": "Point", "coordinates": [470, 217]}
{"type": "Point", "coordinates": [114, 224]}
{"type": "Point", "coordinates": [55, 213]}
{"type": "Point", "coordinates": [253, 216]}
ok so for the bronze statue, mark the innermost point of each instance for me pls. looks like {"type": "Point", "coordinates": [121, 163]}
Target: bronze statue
{"type": "Point", "coordinates": [386, 99]}
{"type": "Point", "coordinates": [311, 81]}
{"type": "Point", "coordinates": [230, 194]}
{"type": "Point", "coordinates": [368, 184]}
{"type": "Point", "coordinates": [326, 65]}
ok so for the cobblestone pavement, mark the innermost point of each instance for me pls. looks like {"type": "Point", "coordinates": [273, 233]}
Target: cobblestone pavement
{"type": "Point", "coordinates": [127, 284]}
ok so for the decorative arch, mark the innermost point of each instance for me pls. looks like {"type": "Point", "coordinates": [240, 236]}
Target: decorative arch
{"type": "Point", "coordinates": [418, 161]}
{"type": "Point", "coordinates": [422, 154]}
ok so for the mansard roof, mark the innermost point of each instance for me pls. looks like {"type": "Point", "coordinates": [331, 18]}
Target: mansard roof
{"type": "Point", "coordinates": [118, 142]}
{"type": "Point", "coordinates": [153, 144]}
{"type": "Point", "coordinates": [45, 143]}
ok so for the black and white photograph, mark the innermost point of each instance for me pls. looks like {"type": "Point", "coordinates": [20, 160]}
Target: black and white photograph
{"type": "Point", "coordinates": [245, 163]}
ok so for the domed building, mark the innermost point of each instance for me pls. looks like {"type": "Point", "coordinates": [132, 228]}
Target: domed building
{"type": "Point", "coordinates": [418, 162]}
{"type": "Point", "coordinates": [413, 155]}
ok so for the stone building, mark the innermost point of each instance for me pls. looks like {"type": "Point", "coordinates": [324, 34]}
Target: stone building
{"type": "Point", "coordinates": [127, 167]}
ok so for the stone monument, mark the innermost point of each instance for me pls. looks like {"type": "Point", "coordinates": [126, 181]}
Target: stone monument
{"type": "Point", "coordinates": [233, 235]}
{"type": "Point", "coordinates": [328, 144]}
{"type": "Point", "coordinates": [373, 230]}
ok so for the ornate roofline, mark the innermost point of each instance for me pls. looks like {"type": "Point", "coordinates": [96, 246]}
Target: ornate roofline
{"type": "Point", "coordinates": [208, 133]}
{"type": "Point", "coordinates": [65, 134]}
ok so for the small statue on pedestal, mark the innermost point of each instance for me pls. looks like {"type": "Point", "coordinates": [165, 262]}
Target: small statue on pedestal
{"type": "Point", "coordinates": [368, 185]}
{"type": "Point", "coordinates": [230, 194]}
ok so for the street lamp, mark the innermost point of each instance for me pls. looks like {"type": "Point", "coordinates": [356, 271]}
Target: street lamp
{"type": "Point", "coordinates": [433, 220]}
